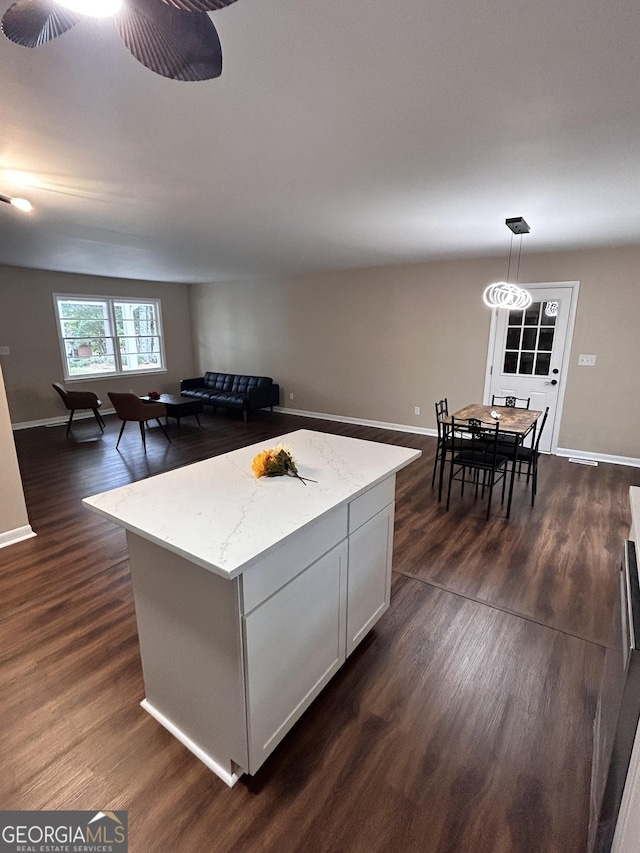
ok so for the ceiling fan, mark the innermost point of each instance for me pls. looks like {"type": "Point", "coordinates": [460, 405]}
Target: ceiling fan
{"type": "Point", "coordinates": [174, 38]}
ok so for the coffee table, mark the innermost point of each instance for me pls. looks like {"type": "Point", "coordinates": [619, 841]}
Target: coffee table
{"type": "Point", "coordinates": [177, 407]}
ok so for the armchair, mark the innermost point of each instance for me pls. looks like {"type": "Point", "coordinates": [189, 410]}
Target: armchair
{"type": "Point", "coordinates": [131, 408]}
{"type": "Point", "coordinates": [75, 400]}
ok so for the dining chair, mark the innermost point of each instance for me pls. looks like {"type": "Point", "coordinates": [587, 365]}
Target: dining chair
{"type": "Point", "coordinates": [511, 402]}
{"type": "Point", "coordinates": [442, 411]}
{"type": "Point", "coordinates": [507, 443]}
{"type": "Point", "coordinates": [530, 456]}
{"type": "Point", "coordinates": [472, 445]}
{"type": "Point", "coordinates": [129, 407]}
{"type": "Point", "coordinates": [78, 401]}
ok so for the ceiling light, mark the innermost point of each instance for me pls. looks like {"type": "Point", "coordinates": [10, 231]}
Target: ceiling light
{"type": "Point", "coordinates": [503, 294]}
{"type": "Point", "coordinates": [20, 203]}
{"type": "Point", "coordinates": [93, 8]}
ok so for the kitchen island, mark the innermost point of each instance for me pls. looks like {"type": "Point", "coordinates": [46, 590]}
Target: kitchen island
{"type": "Point", "coordinates": [251, 593]}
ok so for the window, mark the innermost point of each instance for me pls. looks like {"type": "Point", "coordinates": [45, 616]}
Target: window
{"type": "Point", "coordinates": [530, 339]}
{"type": "Point", "coordinates": [107, 336]}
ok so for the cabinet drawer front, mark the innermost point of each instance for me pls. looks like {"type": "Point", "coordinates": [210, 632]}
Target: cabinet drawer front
{"type": "Point", "coordinates": [371, 502]}
{"type": "Point", "coordinates": [369, 579]}
{"type": "Point", "coordinates": [302, 549]}
{"type": "Point", "coordinates": [294, 643]}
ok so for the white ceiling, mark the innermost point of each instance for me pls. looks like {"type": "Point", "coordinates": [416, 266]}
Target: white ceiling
{"type": "Point", "coordinates": [342, 133]}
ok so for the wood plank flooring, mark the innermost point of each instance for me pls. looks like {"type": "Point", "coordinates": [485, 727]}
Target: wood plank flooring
{"type": "Point", "coordinates": [462, 724]}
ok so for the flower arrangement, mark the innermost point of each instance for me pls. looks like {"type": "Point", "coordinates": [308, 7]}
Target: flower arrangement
{"type": "Point", "coordinates": [277, 462]}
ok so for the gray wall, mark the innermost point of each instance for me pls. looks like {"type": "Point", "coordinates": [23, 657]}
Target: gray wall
{"type": "Point", "coordinates": [374, 343]}
{"type": "Point", "coordinates": [365, 343]}
{"type": "Point", "coordinates": [28, 327]}
{"type": "Point", "coordinates": [13, 510]}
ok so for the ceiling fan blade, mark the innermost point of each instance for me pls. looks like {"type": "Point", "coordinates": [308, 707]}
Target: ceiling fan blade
{"type": "Point", "coordinates": [176, 44]}
{"type": "Point", "coordinates": [199, 5]}
{"type": "Point", "coordinates": [34, 22]}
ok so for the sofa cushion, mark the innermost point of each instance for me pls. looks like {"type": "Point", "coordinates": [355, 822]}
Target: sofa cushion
{"type": "Point", "coordinates": [216, 382]}
{"type": "Point", "coordinates": [228, 399]}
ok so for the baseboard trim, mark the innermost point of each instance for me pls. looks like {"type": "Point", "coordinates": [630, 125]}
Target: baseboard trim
{"type": "Point", "coordinates": [323, 416]}
{"type": "Point", "coordinates": [560, 451]}
{"type": "Point", "coordinates": [631, 461]}
{"type": "Point", "coordinates": [59, 420]}
{"type": "Point", "coordinates": [10, 537]}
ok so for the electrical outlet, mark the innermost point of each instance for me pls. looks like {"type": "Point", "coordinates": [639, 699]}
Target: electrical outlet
{"type": "Point", "coordinates": [416, 410]}
{"type": "Point", "coordinates": [586, 360]}
{"type": "Point", "coordinates": [4, 350]}
{"type": "Point", "coordinates": [291, 395]}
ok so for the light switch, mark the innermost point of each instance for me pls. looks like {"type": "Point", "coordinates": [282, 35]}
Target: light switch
{"type": "Point", "coordinates": [586, 360]}
{"type": "Point", "coordinates": [4, 350]}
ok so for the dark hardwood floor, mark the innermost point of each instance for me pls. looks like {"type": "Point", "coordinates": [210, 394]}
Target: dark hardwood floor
{"type": "Point", "coordinates": [462, 724]}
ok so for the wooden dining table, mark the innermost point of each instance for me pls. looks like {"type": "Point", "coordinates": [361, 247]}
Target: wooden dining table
{"type": "Point", "coordinates": [513, 421]}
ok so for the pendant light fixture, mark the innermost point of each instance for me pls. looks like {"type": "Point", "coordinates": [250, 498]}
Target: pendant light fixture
{"type": "Point", "coordinates": [504, 294]}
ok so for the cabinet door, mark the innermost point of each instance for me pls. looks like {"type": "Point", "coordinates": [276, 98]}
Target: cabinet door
{"type": "Point", "coordinates": [369, 580]}
{"type": "Point", "coordinates": [294, 643]}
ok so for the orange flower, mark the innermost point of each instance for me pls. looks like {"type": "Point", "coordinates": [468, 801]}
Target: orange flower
{"type": "Point", "coordinates": [260, 463]}
{"type": "Point", "coordinates": [276, 463]}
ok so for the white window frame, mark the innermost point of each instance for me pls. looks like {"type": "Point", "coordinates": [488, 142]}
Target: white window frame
{"type": "Point", "coordinates": [110, 302]}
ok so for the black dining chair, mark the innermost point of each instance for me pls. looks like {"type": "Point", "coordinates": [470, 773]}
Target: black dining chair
{"type": "Point", "coordinates": [529, 456]}
{"type": "Point", "coordinates": [511, 402]}
{"type": "Point", "coordinates": [442, 411]}
{"type": "Point", "coordinates": [472, 446]}
{"type": "Point", "coordinates": [507, 443]}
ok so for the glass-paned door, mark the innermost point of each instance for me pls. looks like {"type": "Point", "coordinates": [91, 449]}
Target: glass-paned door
{"type": "Point", "coordinates": [529, 357]}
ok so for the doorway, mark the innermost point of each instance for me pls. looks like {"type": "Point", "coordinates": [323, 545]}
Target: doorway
{"type": "Point", "coordinates": [529, 352]}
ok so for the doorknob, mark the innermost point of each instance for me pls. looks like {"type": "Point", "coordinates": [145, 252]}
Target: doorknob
{"type": "Point", "coordinates": [552, 382]}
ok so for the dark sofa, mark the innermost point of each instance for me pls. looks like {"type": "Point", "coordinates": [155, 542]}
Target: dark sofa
{"type": "Point", "coordinates": [231, 391]}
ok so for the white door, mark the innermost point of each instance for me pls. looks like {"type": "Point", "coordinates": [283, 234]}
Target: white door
{"type": "Point", "coordinates": [529, 352]}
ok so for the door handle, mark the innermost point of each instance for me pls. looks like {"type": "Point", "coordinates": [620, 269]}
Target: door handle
{"type": "Point", "coordinates": [552, 382]}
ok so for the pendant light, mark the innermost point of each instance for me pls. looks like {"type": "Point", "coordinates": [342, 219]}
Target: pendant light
{"type": "Point", "coordinates": [503, 294]}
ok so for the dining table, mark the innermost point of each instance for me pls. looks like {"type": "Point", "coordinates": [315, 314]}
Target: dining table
{"type": "Point", "coordinates": [513, 421]}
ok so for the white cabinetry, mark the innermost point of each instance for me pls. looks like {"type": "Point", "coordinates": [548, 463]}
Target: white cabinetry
{"type": "Point", "coordinates": [230, 665]}
{"type": "Point", "coordinates": [297, 638]}
{"type": "Point", "coordinates": [370, 555]}
{"type": "Point", "coordinates": [628, 826]}
{"type": "Point", "coordinates": [369, 583]}
{"type": "Point", "coordinates": [239, 630]}
{"type": "Point", "coordinates": [294, 643]}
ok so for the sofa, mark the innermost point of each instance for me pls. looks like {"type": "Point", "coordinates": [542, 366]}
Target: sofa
{"type": "Point", "coordinates": [244, 394]}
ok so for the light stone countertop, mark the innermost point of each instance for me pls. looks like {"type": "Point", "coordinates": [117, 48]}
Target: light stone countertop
{"type": "Point", "coordinates": [217, 514]}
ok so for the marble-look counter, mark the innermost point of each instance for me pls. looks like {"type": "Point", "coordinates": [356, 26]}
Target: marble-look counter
{"type": "Point", "coordinates": [222, 518]}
